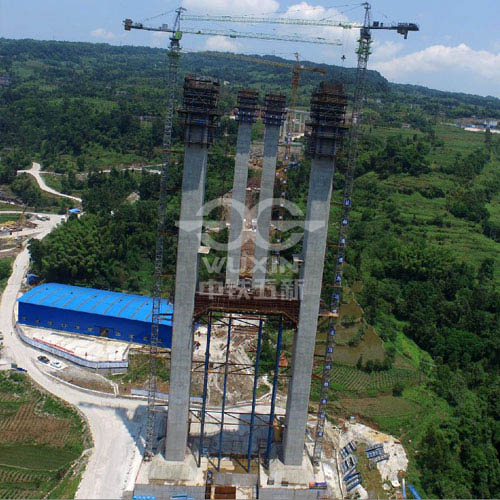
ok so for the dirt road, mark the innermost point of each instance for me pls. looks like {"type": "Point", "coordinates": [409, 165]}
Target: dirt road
{"type": "Point", "coordinates": [115, 423]}
{"type": "Point", "coordinates": [35, 172]}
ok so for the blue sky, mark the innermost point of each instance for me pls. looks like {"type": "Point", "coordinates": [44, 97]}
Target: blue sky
{"type": "Point", "coordinates": [458, 47]}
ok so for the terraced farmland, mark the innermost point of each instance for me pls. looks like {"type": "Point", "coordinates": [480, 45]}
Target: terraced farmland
{"type": "Point", "coordinates": [40, 438]}
{"type": "Point", "coordinates": [17, 483]}
{"type": "Point", "coordinates": [346, 378]}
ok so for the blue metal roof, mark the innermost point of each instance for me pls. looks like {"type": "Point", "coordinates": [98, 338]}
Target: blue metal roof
{"type": "Point", "coordinates": [91, 300]}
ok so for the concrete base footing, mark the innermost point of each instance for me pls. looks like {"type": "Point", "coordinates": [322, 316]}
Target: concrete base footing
{"type": "Point", "coordinates": [280, 474]}
{"type": "Point", "coordinates": [185, 471]}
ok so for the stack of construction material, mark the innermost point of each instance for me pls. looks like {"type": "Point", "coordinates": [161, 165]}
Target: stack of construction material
{"type": "Point", "coordinates": [376, 454]}
{"type": "Point", "coordinates": [352, 477]}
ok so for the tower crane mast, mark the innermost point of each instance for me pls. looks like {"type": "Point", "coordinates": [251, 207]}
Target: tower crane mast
{"type": "Point", "coordinates": [173, 69]}
{"type": "Point", "coordinates": [363, 53]}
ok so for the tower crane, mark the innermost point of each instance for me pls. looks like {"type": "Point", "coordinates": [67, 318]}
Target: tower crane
{"type": "Point", "coordinates": [401, 28]}
{"type": "Point", "coordinates": [129, 24]}
{"type": "Point", "coordinates": [363, 53]}
{"type": "Point", "coordinates": [172, 75]}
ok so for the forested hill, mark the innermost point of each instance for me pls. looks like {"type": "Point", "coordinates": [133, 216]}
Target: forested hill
{"type": "Point", "coordinates": [89, 66]}
{"type": "Point", "coordinates": [422, 261]}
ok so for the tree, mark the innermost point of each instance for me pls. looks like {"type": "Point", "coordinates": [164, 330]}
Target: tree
{"type": "Point", "coordinates": [398, 389]}
{"type": "Point", "coordinates": [487, 139]}
{"type": "Point", "coordinates": [359, 364]}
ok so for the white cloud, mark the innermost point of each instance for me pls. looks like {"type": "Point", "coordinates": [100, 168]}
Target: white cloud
{"type": "Point", "coordinates": [159, 38]}
{"type": "Point", "coordinates": [457, 69]}
{"type": "Point", "coordinates": [102, 33]}
{"type": "Point", "coordinates": [385, 50]}
{"type": "Point", "coordinates": [440, 58]}
{"type": "Point", "coordinates": [221, 43]}
{"type": "Point", "coordinates": [231, 7]}
{"type": "Point", "coordinates": [304, 10]}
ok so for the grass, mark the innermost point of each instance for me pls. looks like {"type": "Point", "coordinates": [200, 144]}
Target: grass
{"type": "Point", "coordinates": [8, 218]}
{"type": "Point", "coordinates": [37, 458]}
{"type": "Point", "coordinates": [8, 206]}
{"type": "Point", "coordinates": [406, 417]}
{"type": "Point", "coordinates": [138, 370]}
{"type": "Point", "coordinates": [68, 487]}
{"type": "Point", "coordinates": [53, 181]}
{"type": "Point", "coordinates": [5, 270]}
{"type": "Point", "coordinates": [40, 439]}
{"type": "Point", "coordinates": [421, 206]}
{"type": "Point", "coordinates": [428, 217]}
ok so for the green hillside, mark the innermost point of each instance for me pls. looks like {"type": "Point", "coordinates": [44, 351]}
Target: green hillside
{"type": "Point", "coordinates": [418, 348]}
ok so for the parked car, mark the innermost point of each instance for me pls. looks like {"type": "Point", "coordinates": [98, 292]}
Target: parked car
{"type": "Point", "coordinates": [56, 364]}
{"type": "Point", "coordinates": [43, 359]}
{"type": "Point", "coordinates": [18, 368]}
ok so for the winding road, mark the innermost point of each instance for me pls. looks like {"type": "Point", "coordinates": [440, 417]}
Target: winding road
{"type": "Point", "coordinates": [115, 423]}
{"type": "Point", "coordinates": [36, 172]}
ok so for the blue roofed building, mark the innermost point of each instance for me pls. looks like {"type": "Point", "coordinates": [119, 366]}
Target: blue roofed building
{"type": "Point", "coordinates": [99, 313]}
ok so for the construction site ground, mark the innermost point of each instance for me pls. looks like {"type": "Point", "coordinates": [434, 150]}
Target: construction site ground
{"type": "Point", "coordinates": [85, 347]}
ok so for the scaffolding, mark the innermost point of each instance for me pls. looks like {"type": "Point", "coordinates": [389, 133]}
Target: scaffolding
{"type": "Point", "coordinates": [223, 307]}
{"type": "Point", "coordinates": [247, 106]}
{"type": "Point", "coordinates": [199, 115]}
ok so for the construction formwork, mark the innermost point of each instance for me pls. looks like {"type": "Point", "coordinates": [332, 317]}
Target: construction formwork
{"type": "Point", "coordinates": [199, 118]}
{"type": "Point", "coordinates": [274, 117]}
{"type": "Point", "coordinates": [328, 105]}
{"type": "Point", "coordinates": [220, 305]}
{"type": "Point", "coordinates": [246, 117]}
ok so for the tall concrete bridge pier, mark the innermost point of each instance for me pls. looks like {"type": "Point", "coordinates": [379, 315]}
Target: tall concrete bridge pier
{"type": "Point", "coordinates": [328, 105]}
{"type": "Point", "coordinates": [246, 116]}
{"type": "Point", "coordinates": [200, 118]}
{"type": "Point", "coordinates": [274, 116]}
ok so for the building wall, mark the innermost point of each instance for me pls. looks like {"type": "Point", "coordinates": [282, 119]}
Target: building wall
{"type": "Point", "coordinates": [167, 491]}
{"type": "Point", "coordinates": [96, 325]}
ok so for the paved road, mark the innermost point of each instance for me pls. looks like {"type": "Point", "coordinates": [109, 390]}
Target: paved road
{"type": "Point", "coordinates": [35, 172]}
{"type": "Point", "coordinates": [27, 231]}
{"type": "Point", "coordinates": [114, 422]}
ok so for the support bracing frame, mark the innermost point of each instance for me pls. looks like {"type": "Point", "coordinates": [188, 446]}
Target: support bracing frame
{"type": "Point", "coordinates": [225, 417]}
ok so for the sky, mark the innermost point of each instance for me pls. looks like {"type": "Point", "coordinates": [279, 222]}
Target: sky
{"type": "Point", "coordinates": [457, 48]}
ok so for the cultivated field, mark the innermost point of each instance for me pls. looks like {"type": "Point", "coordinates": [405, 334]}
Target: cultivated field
{"type": "Point", "coordinates": [346, 378]}
{"type": "Point", "coordinates": [40, 439]}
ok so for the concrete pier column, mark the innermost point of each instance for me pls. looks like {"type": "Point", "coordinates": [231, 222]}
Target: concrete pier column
{"type": "Point", "coordinates": [328, 105]}
{"type": "Point", "coordinates": [199, 119]}
{"type": "Point", "coordinates": [273, 118]}
{"type": "Point", "coordinates": [246, 116]}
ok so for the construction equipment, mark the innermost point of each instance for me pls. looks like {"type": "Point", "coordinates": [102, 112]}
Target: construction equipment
{"type": "Point", "coordinates": [401, 28]}
{"type": "Point", "coordinates": [22, 218]}
{"type": "Point", "coordinates": [129, 24]}
{"type": "Point", "coordinates": [363, 52]}
{"type": "Point", "coordinates": [270, 20]}
{"type": "Point", "coordinates": [173, 66]}
{"type": "Point", "coordinates": [282, 171]}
